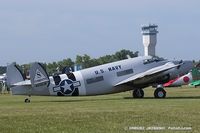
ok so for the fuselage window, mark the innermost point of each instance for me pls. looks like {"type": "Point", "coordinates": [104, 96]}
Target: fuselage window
{"type": "Point", "coordinates": [94, 80]}
{"type": "Point", "coordinates": [125, 72]}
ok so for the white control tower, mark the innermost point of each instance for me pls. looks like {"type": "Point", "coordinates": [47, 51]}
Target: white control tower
{"type": "Point", "coordinates": [149, 35]}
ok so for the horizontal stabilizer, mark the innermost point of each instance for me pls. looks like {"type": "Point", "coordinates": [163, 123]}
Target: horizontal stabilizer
{"type": "Point", "coordinates": [23, 83]}
{"type": "Point", "coordinates": [195, 83]}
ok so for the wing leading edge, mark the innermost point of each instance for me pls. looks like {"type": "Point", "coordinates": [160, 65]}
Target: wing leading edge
{"type": "Point", "coordinates": [150, 72]}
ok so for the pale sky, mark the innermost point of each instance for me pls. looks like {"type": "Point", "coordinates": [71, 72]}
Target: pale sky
{"type": "Point", "coordinates": [51, 30]}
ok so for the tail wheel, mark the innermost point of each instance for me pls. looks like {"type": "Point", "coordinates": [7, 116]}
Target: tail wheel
{"type": "Point", "coordinates": [159, 93]}
{"type": "Point", "coordinates": [138, 93]}
{"type": "Point", "coordinates": [27, 100]}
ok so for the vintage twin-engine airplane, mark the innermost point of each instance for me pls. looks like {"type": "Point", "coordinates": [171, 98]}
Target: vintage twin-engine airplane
{"type": "Point", "coordinates": [129, 74]}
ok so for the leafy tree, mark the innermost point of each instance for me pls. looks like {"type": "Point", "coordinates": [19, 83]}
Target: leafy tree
{"type": "Point", "coordinates": [122, 54]}
{"type": "Point", "coordinates": [52, 68]}
{"type": "Point", "coordinates": [2, 70]}
{"type": "Point", "coordinates": [85, 61]}
{"type": "Point", "coordinates": [94, 62]}
{"type": "Point", "coordinates": [65, 63]}
{"type": "Point", "coordinates": [106, 59]}
{"type": "Point", "coordinates": [79, 60]}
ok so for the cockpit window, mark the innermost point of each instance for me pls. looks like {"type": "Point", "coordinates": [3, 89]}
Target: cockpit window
{"type": "Point", "coordinates": [153, 59]}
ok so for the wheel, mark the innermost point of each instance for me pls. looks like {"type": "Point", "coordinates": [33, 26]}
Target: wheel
{"type": "Point", "coordinates": [27, 100]}
{"type": "Point", "coordinates": [138, 93]}
{"type": "Point", "coordinates": [159, 93]}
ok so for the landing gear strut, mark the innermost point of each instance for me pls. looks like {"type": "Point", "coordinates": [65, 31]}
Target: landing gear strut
{"type": "Point", "coordinates": [28, 100]}
{"type": "Point", "coordinates": [159, 92]}
{"type": "Point", "coordinates": [138, 93]}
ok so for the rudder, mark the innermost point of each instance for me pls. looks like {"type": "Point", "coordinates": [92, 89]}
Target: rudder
{"type": "Point", "coordinates": [196, 74]}
{"type": "Point", "coordinates": [14, 74]}
{"type": "Point", "coordinates": [38, 75]}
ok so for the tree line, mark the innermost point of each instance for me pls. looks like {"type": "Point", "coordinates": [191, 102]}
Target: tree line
{"type": "Point", "coordinates": [85, 61]}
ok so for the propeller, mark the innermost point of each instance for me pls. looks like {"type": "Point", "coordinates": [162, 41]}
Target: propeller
{"type": "Point", "coordinates": [180, 63]}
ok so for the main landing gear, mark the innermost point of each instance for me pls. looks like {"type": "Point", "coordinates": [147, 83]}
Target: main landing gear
{"type": "Point", "coordinates": [138, 93]}
{"type": "Point", "coordinates": [158, 93]}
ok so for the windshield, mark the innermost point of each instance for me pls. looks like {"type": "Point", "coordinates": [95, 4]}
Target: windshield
{"type": "Point", "coordinates": [153, 59]}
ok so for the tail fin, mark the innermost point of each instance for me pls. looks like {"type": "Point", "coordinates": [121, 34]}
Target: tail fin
{"type": "Point", "coordinates": [196, 74]}
{"type": "Point", "coordinates": [38, 76]}
{"type": "Point", "coordinates": [14, 74]}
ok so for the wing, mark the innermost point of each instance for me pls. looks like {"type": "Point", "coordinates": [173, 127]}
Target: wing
{"type": "Point", "coordinates": [151, 72]}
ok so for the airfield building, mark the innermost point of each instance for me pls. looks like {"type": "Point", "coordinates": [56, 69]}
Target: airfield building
{"type": "Point", "coordinates": [149, 35]}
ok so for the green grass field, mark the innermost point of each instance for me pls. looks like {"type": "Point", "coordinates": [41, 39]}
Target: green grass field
{"type": "Point", "coordinates": [100, 114]}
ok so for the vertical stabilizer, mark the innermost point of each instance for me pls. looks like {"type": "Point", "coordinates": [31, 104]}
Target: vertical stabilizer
{"type": "Point", "coordinates": [14, 74]}
{"type": "Point", "coordinates": [196, 74]}
{"type": "Point", "coordinates": [38, 76]}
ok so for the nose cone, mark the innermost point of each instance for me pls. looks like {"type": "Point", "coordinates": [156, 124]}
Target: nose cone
{"type": "Point", "coordinates": [185, 67]}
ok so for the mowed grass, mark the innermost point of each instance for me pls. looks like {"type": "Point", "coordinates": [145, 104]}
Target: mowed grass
{"type": "Point", "coordinates": [100, 114]}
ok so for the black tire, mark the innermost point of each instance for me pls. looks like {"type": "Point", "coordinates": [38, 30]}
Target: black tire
{"type": "Point", "coordinates": [27, 100]}
{"type": "Point", "coordinates": [159, 93]}
{"type": "Point", "coordinates": [138, 93]}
